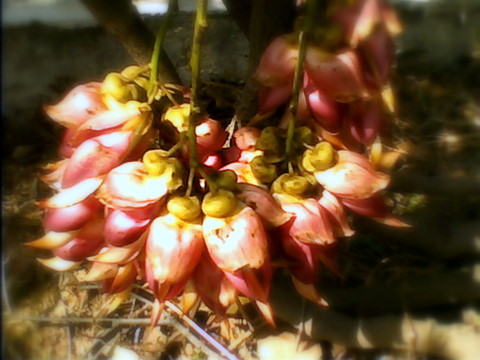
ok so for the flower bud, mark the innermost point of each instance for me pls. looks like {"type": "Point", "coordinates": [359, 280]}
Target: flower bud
{"type": "Point", "coordinates": [116, 86]}
{"type": "Point", "coordinates": [338, 76]}
{"type": "Point", "coordinates": [219, 204]}
{"type": "Point", "coordinates": [226, 179]}
{"type": "Point", "coordinates": [264, 205]}
{"type": "Point", "coordinates": [96, 156]}
{"type": "Point", "coordinates": [155, 162]}
{"type": "Point", "coordinates": [186, 208]}
{"type": "Point", "coordinates": [277, 65]}
{"type": "Point", "coordinates": [303, 136]}
{"type": "Point", "coordinates": [326, 112]}
{"type": "Point", "coordinates": [352, 177]}
{"type": "Point", "coordinates": [263, 171]}
{"type": "Point", "coordinates": [236, 241]}
{"type": "Point", "coordinates": [269, 141]}
{"type": "Point", "coordinates": [133, 71]}
{"type": "Point", "coordinates": [86, 242]}
{"type": "Point", "coordinates": [210, 136]}
{"type": "Point", "coordinates": [178, 116]}
{"type": "Point", "coordinates": [292, 184]}
{"type": "Point", "coordinates": [321, 157]}
{"type": "Point", "coordinates": [173, 249]}
{"type": "Point", "coordinates": [270, 98]}
{"type": "Point", "coordinates": [71, 217]}
{"type": "Point", "coordinates": [213, 161]}
{"type": "Point", "coordinates": [246, 137]}
{"type": "Point", "coordinates": [124, 227]}
{"type": "Point", "coordinates": [78, 105]}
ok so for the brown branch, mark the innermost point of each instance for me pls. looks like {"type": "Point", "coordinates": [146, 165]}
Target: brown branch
{"type": "Point", "coordinates": [121, 19]}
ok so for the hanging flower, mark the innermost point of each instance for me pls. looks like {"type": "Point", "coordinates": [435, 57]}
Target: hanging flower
{"type": "Point", "coordinates": [79, 105]}
{"type": "Point", "coordinates": [352, 177]}
{"type": "Point", "coordinates": [213, 286]}
{"type": "Point", "coordinates": [173, 250]}
{"type": "Point", "coordinates": [237, 243]}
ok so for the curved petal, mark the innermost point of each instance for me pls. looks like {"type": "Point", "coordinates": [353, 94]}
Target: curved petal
{"type": "Point", "coordinates": [264, 204]}
{"type": "Point", "coordinates": [353, 177]}
{"type": "Point", "coordinates": [246, 137]}
{"type": "Point", "coordinates": [338, 76]}
{"type": "Point", "coordinates": [277, 64]}
{"type": "Point", "coordinates": [236, 241]}
{"type": "Point", "coordinates": [129, 186]}
{"type": "Point", "coordinates": [337, 214]}
{"type": "Point", "coordinates": [97, 156]}
{"type": "Point", "coordinates": [173, 249]}
{"type": "Point", "coordinates": [310, 223]}
{"type": "Point", "coordinates": [73, 195]}
{"type": "Point", "coordinates": [78, 105]}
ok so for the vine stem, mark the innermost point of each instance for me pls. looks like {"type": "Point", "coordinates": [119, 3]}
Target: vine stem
{"type": "Point", "coordinates": [199, 29]}
{"type": "Point", "coordinates": [303, 36]}
{"type": "Point", "coordinates": [172, 5]}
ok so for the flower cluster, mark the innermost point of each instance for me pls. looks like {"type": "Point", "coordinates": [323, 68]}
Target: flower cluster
{"type": "Point", "coordinates": [140, 202]}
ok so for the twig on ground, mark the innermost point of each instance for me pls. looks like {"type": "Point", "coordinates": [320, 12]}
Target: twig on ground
{"type": "Point", "coordinates": [193, 326]}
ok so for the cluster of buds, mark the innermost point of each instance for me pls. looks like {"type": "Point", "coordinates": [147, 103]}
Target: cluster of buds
{"type": "Point", "coordinates": [141, 202]}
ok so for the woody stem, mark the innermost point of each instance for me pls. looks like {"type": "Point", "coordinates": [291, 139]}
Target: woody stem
{"type": "Point", "coordinates": [172, 5]}
{"type": "Point", "coordinates": [304, 36]}
{"type": "Point", "coordinates": [195, 111]}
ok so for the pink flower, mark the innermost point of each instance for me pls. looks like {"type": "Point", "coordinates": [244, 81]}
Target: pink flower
{"type": "Point", "coordinates": [339, 77]}
{"type": "Point", "coordinates": [210, 137]}
{"type": "Point", "coordinates": [124, 227]}
{"type": "Point", "coordinates": [266, 207]}
{"type": "Point", "coordinates": [364, 119]}
{"type": "Point", "coordinates": [246, 137]}
{"type": "Point", "coordinates": [71, 217]}
{"type": "Point", "coordinates": [78, 105]}
{"type": "Point", "coordinates": [129, 186]}
{"type": "Point", "coordinates": [310, 223]}
{"type": "Point", "coordinates": [86, 242]}
{"type": "Point", "coordinates": [352, 177]}
{"type": "Point", "coordinates": [360, 19]}
{"type": "Point", "coordinates": [325, 111]}
{"type": "Point", "coordinates": [306, 261]}
{"type": "Point", "coordinates": [107, 122]}
{"type": "Point", "coordinates": [173, 250]}
{"type": "Point", "coordinates": [97, 156]}
{"type": "Point", "coordinates": [271, 97]}
{"type": "Point", "coordinates": [236, 241]}
{"type": "Point", "coordinates": [277, 65]}
{"type": "Point", "coordinates": [238, 246]}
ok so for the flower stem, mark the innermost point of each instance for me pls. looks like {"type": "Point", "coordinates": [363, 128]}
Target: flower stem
{"type": "Point", "coordinates": [172, 5]}
{"type": "Point", "coordinates": [199, 29]}
{"type": "Point", "coordinates": [304, 36]}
